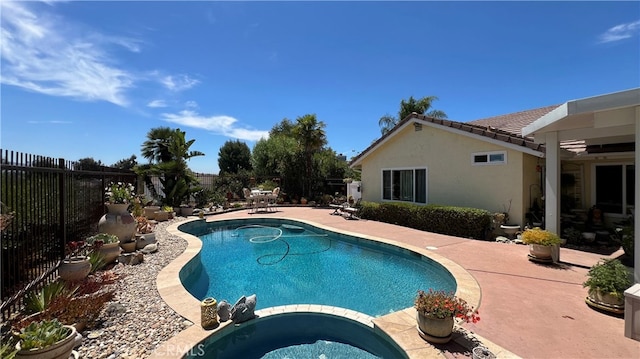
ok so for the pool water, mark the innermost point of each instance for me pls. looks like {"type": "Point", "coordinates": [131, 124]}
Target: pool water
{"type": "Point", "coordinates": [288, 262]}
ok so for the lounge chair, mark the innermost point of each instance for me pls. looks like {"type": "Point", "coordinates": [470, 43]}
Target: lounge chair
{"type": "Point", "coordinates": [350, 210]}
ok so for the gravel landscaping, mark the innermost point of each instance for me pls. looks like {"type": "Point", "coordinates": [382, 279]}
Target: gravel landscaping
{"type": "Point", "coordinates": [137, 321]}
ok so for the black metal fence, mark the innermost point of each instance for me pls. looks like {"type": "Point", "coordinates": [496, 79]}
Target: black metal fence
{"type": "Point", "coordinates": [46, 202]}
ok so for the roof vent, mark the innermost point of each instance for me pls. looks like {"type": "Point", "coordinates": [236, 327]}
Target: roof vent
{"type": "Point", "coordinates": [417, 126]}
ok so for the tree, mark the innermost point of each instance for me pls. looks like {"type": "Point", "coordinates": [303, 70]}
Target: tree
{"type": "Point", "coordinates": [126, 163]}
{"type": "Point", "coordinates": [88, 164]}
{"type": "Point", "coordinates": [311, 138]}
{"type": "Point", "coordinates": [168, 152]}
{"type": "Point", "coordinates": [421, 106]}
{"type": "Point", "coordinates": [156, 147]}
{"type": "Point", "coordinates": [234, 156]}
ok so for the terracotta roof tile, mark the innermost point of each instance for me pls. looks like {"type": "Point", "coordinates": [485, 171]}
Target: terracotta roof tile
{"type": "Point", "coordinates": [514, 122]}
{"type": "Point", "coordinates": [506, 128]}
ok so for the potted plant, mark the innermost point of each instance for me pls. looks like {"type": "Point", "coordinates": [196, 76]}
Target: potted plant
{"type": "Point", "coordinates": [607, 280]}
{"type": "Point", "coordinates": [107, 245]}
{"type": "Point", "coordinates": [46, 339]}
{"type": "Point", "coordinates": [76, 265]}
{"type": "Point", "coordinates": [186, 210]}
{"type": "Point", "coordinates": [540, 243]}
{"type": "Point", "coordinates": [144, 232]}
{"type": "Point", "coordinates": [436, 311]}
{"type": "Point", "coordinates": [118, 220]}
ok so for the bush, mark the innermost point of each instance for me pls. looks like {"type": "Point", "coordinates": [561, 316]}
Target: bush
{"type": "Point", "coordinates": [609, 276]}
{"type": "Point", "coordinates": [454, 221]}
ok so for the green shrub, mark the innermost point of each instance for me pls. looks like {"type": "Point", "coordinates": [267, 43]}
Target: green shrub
{"type": "Point", "coordinates": [609, 276]}
{"type": "Point", "coordinates": [39, 300]}
{"type": "Point", "coordinates": [43, 334]}
{"type": "Point", "coordinates": [455, 221]}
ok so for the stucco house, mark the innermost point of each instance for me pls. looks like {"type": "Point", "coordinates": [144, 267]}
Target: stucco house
{"type": "Point", "coordinates": [515, 161]}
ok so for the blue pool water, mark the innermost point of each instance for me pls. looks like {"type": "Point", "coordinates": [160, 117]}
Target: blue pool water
{"type": "Point", "coordinates": [308, 335]}
{"type": "Point", "coordinates": [289, 262]}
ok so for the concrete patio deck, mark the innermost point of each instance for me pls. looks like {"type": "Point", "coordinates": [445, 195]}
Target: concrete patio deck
{"type": "Point", "coordinates": [531, 310]}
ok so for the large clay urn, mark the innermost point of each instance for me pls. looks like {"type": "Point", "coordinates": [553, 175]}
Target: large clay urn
{"type": "Point", "coordinates": [118, 221]}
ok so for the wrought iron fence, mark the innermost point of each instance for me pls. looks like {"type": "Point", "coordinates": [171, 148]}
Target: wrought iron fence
{"type": "Point", "coordinates": [46, 202]}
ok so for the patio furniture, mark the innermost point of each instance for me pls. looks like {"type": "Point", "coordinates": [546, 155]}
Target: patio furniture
{"type": "Point", "coordinates": [336, 208]}
{"type": "Point", "coordinates": [247, 196]}
{"type": "Point", "coordinates": [351, 211]}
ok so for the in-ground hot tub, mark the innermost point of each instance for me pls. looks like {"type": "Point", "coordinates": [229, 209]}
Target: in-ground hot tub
{"type": "Point", "coordinates": [298, 335]}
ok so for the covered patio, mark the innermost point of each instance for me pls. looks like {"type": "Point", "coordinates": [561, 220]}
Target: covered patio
{"type": "Point", "coordinates": [609, 127]}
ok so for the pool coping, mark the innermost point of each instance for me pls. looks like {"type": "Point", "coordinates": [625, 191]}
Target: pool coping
{"type": "Point", "coordinates": [399, 326]}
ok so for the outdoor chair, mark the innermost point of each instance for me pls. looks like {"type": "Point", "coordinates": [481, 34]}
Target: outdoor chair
{"type": "Point", "coordinates": [351, 211]}
{"type": "Point", "coordinates": [273, 198]}
{"type": "Point", "coordinates": [247, 196]}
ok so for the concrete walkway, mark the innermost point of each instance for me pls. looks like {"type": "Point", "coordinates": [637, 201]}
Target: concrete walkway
{"type": "Point", "coordinates": [532, 310]}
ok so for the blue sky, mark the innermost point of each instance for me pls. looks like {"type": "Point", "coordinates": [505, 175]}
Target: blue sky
{"type": "Point", "coordinates": [89, 79]}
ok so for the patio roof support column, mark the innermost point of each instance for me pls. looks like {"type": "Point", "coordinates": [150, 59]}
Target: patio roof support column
{"type": "Point", "coordinates": [552, 183]}
{"type": "Point", "coordinates": [636, 212]}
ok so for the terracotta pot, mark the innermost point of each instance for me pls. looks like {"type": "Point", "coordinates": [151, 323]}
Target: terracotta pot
{"type": "Point", "coordinates": [128, 247]}
{"type": "Point", "coordinates": [150, 211]}
{"type": "Point", "coordinates": [186, 211]}
{"type": "Point", "coordinates": [74, 269]}
{"type": "Point", "coordinates": [161, 216]}
{"type": "Point", "coordinates": [110, 252]}
{"type": "Point", "coordinates": [118, 221]}
{"type": "Point", "coordinates": [540, 251]}
{"type": "Point", "coordinates": [606, 299]}
{"type": "Point", "coordinates": [440, 329]}
{"type": "Point", "coordinates": [59, 350]}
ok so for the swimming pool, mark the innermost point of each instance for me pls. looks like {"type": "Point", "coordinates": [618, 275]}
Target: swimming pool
{"type": "Point", "coordinates": [285, 262]}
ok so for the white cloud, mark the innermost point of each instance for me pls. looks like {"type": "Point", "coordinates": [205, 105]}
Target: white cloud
{"type": "Point", "coordinates": [620, 32]}
{"type": "Point", "coordinates": [42, 53]}
{"type": "Point", "coordinates": [157, 103]}
{"type": "Point", "coordinates": [223, 125]}
{"type": "Point", "coordinates": [179, 82]}
{"type": "Point", "coordinates": [53, 122]}
{"type": "Point", "coordinates": [191, 104]}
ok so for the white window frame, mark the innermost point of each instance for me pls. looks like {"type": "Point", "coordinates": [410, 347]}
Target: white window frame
{"type": "Point", "coordinates": [489, 161]}
{"type": "Point", "coordinates": [413, 180]}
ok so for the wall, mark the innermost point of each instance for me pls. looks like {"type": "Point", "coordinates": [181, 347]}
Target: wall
{"type": "Point", "coordinates": [452, 179]}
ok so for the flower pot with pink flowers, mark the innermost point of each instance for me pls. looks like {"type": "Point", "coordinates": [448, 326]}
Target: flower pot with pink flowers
{"type": "Point", "coordinates": [436, 311]}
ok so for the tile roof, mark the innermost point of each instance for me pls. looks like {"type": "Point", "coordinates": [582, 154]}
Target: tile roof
{"type": "Point", "coordinates": [505, 128]}
{"type": "Point", "coordinates": [514, 122]}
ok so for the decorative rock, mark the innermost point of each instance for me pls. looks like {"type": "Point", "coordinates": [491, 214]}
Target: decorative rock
{"type": "Point", "coordinates": [224, 311]}
{"type": "Point", "coordinates": [145, 312]}
{"type": "Point", "coordinates": [150, 248]}
{"type": "Point", "coordinates": [502, 239]}
{"type": "Point", "coordinates": [244, 308]}
{"type": "Point", "coordinates": [131, 258]}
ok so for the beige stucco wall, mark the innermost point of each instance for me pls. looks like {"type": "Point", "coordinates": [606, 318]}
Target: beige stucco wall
{"type": "Point", "coordinates": [452, 179]}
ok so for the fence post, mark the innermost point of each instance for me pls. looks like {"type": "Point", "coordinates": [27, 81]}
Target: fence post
{"type": "Point", "coordinates": [62, 203]}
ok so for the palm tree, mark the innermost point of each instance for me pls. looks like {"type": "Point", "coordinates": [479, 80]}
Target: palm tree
{"type": "Point", "coordinates": [311, 139]}
{"type": "Point", "coordinates": [168, 151]}
{"type": "Point", "coordinates": [156, 147]}
{"type": "Point", "coordinates": [421, 106]}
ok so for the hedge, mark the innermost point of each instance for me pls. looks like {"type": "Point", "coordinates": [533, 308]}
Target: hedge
{"type": "Point", "coordinates": [454, 221]}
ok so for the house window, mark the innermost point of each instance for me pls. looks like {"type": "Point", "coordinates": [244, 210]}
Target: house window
{"type": "Point", "coordinates": [615, 188]}
{"type": "Point", "coordinates": [489, 158]}
{"type": "Point", "coordinates": [408, 185]}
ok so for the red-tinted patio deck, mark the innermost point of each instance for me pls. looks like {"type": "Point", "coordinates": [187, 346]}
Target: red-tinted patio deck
{"type": "Point", "coordinates": [532, 310]}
